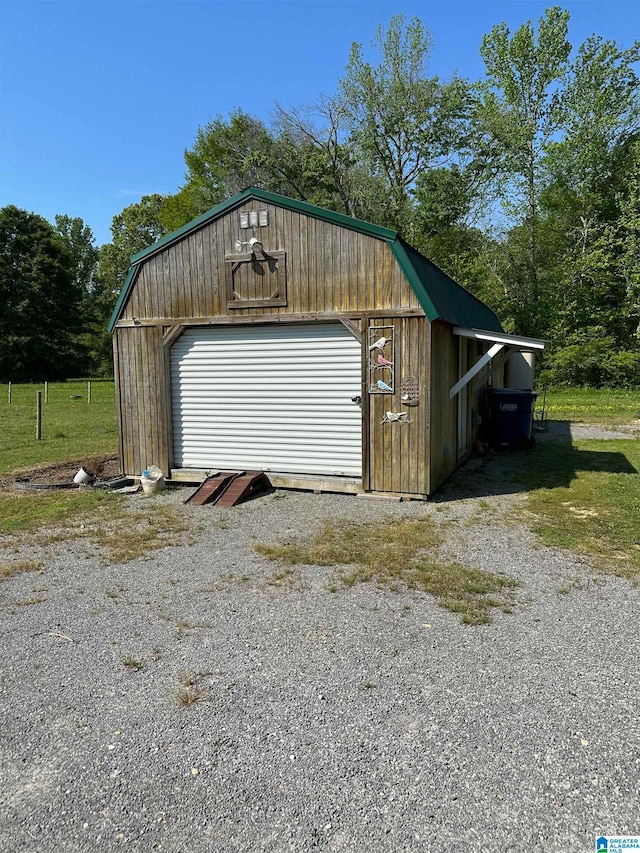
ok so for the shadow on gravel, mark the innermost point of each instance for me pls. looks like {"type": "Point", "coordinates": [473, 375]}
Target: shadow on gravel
{"type": "Point", "coordinates": [553, 462]}
{"type": "Point", "coordinates": [560, 430]}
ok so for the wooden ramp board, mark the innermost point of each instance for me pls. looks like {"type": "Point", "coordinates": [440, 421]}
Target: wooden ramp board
{"type": "Point", "coordinates": [212, 488]}
{"type": "Point", "coordinates": [242, 487]}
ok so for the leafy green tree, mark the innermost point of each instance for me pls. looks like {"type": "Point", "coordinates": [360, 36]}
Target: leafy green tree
{"type": "Point", "coordinates": [38, 300]}
{"type": "Point", "coordinates": [225, 158]}
{"type": "Point", "coordinates": [599, 109]}
{"type": "Point", "coordinates": [400, 121]}
{"type": "Point", "coordinates": [228, 156]}
{"type": "Point", "coordinates": [589, 215]}
{"type": "Point", "coordinates": [341, 179]}
{"type": "Point", "coordinates": [446, 200]}
{"type": "Point", "coordinates": [133, 229]}
{"type": "Point", "coordinates": [359, 152]}
{"type": "Point", "coordinates": [519, 114]}
{"type": "Point", "coordinates": [94, 357]}
{"type": "Point", "coordinates": [591, 357]}
{"type": "Point", "coordinates": [80, 242]}
{"type": "Point", "coordinates": [591, 173]}
{"type": "Point", "coordinates": [231, 154]}
{"type": "Point", "coordinates": [627, 234]}
{"type": "Point", "coordinates": [319, 163]}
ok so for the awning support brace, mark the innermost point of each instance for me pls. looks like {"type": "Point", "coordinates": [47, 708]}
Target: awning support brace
{"type": "Point", "coordinates": [492, 352]}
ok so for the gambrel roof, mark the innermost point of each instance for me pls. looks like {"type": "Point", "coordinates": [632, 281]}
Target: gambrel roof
{"type": "Point", "coordinates": [440, 297]}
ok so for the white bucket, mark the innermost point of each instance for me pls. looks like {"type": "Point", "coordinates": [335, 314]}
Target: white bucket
{"type": "Point", "coordinates": [152, 480]}
{"type": "Point", "coordinates": [83, 478]}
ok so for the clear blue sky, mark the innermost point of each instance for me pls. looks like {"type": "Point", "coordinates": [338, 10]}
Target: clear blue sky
{"type": "Point", "coordinates": [99, 98]}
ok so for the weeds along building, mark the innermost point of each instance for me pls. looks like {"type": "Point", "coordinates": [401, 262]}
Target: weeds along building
{"type": "Point", "coordinates": [269, 334]}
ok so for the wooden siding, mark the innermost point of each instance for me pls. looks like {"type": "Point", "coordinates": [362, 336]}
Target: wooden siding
{"type": "Point", "coordinates": [398, 454]}
{"type": "Point", "coordinates": [444, 374]}
{"type": "Point", "coordinates": [329, 269]}
{"type": "Point", "coordinates": [142, 396]}
{"type": "Point", "coordinates": [331, 272]}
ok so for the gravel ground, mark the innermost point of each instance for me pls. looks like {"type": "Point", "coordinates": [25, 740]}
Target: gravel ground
{"type": "Point", "coordinates": [564, 429]}
{"type": "Point", "coordinates": [360, 720]}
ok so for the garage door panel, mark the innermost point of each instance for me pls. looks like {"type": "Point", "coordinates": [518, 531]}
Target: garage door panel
{"type": "Point", "coordinates": [269, 398]}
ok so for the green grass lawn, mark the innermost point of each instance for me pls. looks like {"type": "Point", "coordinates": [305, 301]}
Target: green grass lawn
{"type": "Point", "coordinates": [72, 428]}
{"type": "Point", "coordinates": [588, 405]}
{"type": "Point", "coordinates": [586, 498]}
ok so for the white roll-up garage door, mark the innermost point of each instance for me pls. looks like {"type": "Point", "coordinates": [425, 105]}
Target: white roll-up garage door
{"type": "Point", "coordinates": [270, 398]}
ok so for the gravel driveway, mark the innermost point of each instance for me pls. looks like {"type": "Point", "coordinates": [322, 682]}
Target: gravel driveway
{"type": "Point", "coordinates": [357, 720]}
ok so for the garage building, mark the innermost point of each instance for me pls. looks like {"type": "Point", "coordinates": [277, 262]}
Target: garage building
{"type": "Point", "coordinates": [273, 335]}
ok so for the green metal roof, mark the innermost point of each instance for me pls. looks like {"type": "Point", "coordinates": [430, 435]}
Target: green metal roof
{"type": "Point", "coordinates": [440, 297]}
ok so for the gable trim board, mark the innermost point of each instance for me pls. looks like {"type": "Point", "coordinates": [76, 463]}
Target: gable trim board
{"type": "Point", "coordinates": [440, 297]}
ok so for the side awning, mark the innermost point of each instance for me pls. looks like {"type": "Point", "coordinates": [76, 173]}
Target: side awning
{"type": "Point", "coordinates": [499, 342]}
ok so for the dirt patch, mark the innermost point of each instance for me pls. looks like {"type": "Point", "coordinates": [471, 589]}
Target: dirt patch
{"type": "Point", "coordinates": [102, 468]}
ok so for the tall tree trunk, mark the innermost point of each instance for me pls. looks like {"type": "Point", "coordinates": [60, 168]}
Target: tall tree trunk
{"type": "Point", "coordinates": [531, 223]}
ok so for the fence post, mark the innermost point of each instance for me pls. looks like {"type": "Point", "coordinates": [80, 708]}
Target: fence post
{"type": "Point", "coordinates": [46, 392]}
{"type": "Point", "coordinates": [9, 393]}
{"type": "Point", "coordinates": [39, 416]}
{"type": "Point", "coordinates": [89, 391]}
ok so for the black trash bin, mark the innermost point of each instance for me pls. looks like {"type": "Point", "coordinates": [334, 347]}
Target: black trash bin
{"type": "Point", "coordinates": [511, 416]}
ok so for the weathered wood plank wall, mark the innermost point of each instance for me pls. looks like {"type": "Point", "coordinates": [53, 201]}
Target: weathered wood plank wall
{"type": "Point", "coordinates": [330, 272]}
{"type": "Point", "coordinates": [444, 374]}
{"type": "Point", "coordinates": [142, 399]}
{"type": "Point", "coordinates": [399, 453]}
{"type": "Point", "coordinates": [329, 269]}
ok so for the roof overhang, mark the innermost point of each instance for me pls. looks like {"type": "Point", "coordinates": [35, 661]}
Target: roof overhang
{"type": "Point", "coordinates": [519, 342]}
{"type": "Point", "coordinates": [499, 342]}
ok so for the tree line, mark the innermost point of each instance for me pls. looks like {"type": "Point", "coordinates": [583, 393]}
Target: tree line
{"type": "Point", "coordinates": [524, 186]}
